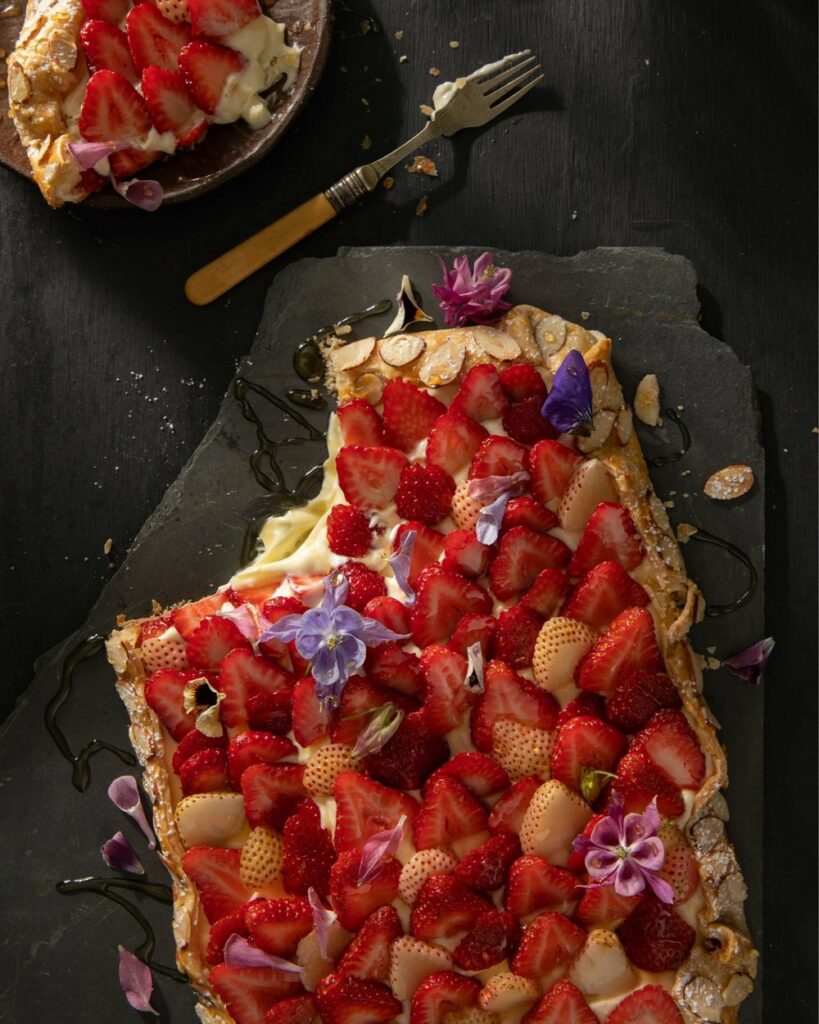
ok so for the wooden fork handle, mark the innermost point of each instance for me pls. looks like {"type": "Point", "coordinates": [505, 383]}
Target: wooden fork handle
{"type": "Point", "coordinates": [241, 261]}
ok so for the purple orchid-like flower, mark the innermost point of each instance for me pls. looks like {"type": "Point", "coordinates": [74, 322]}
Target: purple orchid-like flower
{"type": "Point", "coordinates": [626, 851]}
{"type": "Point", "coordinates": [401, 562]}
{"type": "Point", "coordinates": [496, 491]}
{"type": "Point", "coordinates": [136, 980]}
{"type": "Point", "coordinates": [568, 406]}
{"type": "Point", "coordinates": [750, 663]}
{"type": "Point", "coordinates": [333, 638]}
{"type": "Point", "coordinates": [472, 295]}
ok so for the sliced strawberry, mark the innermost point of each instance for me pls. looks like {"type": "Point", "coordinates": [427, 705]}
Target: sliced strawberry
{"type": "Point", "coordinates": [670, 742]}
{"type": "Point", "coordinates": [498, 456]}
{"type": "Point", "coordinates": [194, 741]}
{"type": "Point", "coordinates": [547, 592]}
{"type": "Point", "coordinates": [447, 698]}
{"type": "Point", "coordinates": [221, 931]}
{"type": "Point", "coordinates": [368, 955]}
{"type": "Point", "coordinates": [486, 867]}
{"type": "Point", "coordinates": [453, 440]}
{"type": "Point", "coordinates": [307, 852]}
{"type": "Point", "coordinates": [311, 721]}
{"type": "Point", "coordinates": [506, 816]}
{"type": "Point", "coordinates": [680, 868]}
{"type": "Point", "coordinates": [655, 937]}
{"type": "Point", "coordinates": [638, 697]}
{"type": "Point", "coordinates": [363, 584]}
{"type": "Point", "coordinates": [188, 617]}
{"type": "Point", "coordinates": [445, 906]}
{"type": "Point", "coordinates": [204, 772]}
{"type": "Point", "coordinates": [344, 999]}
{"type": "Point", "coordinates": [365, 807]}
{"type": "Point", "coordinates": [551, 465]}
{"type": "Point", "coordinates": [410, 755]}
{"type": "Point", "coordinates": [172, 109]}
{"type": "Point", "coordinates": [426, 549]}
{"type": "Point", "coordinates": [409, 413]}
{"type": "Point", "coordinates": [212, 640]}
{"type": "Point", "coordinates": [298, 1010]}
{"type": "Point", "coordinates": [215, 873]}
{"type": "Point", "coordinates": [648, 1005]}
{"type": "Point", "coordinates": [251, 747]}
{"type": "Point", "coordinates": [472, 629]}
{"type": "Point", "coordinates": [521, 381]}
{"type": "Point", "coordinates": [481, 774]}
{"type": "Point", "coordinates": [355, 900]}
{"type": "Point", "coordinates": [639, 780]}
{"type": "Point", "coordinates": [390, 613]}
{"type": "Point", "coordinates": [249, 992]}
{"type": "Point", "coordinates": [154, 40]}
{"type": "Point", "coordinates": [242, 675]}
{"type": "Point", "coordinates": [601, 907]}
{"type": "Point", "coordinates": [604, 592]}
{"type": "Point", "coordinates": [508, 695]}
{"type": "Point", "coordinates": [562, 1004]}
{"type": "Point", "coordinates": [368, 476]}
{"type": "Point", "coordinates": [424, 493]}
{"type": "Point", "coordinates": [165, 693]}
{"type": "Point", "coordinates": [627, 645]}
{"type": "Point", "coordinates": [113, 111]}
{"type": "Point", "coordinates": [610, 535]}
{"type": "Point", "coordinates": [391, 666]}
{"type": "Point", "coordinates": [221, 17]}
{"type": "Point", "coordinates": [442, 600]}
{"type": "Point", "coordinates": [112, 11]}
{"type": "Point", "coordinates": [493, 938]}
{"type": "Point", "coordinates": [515, 636]}
{"type": "Point", "coordinates": [464, 553]}
{"type": "Point", "coordinates": [585, 743]}
{"type": "Point", "coordinates": [271, 793]}
{"type": "Point", "coordinates": [524, 422]}
{"type": "Point", "coordinates": [449, 812]}
{"type": "Point", "coordinates": [106, 46]}
{"type": "Point", "coordinates": [349, 531]}
{"type": "Point", "coordinates": [277, 926]}
{"type": "Point", "coordinates": [206, 68]}
{"type": "Point", "coordinates": [522, 554]}
{"type": "Point", "coordinates": [360, 424]}
{"type": "Point", "coordinates": [441, 996]}
{"type": "Point", "coordinates": [549, 942]}
{"type": "Point", "coordinates": [480, 395]}
{"type": "Point", "coordinates": [584, 704]}
{"type": "Point", "coordinates": [528, 511]}
{"type": "Point", "coordinates": [535, 885]}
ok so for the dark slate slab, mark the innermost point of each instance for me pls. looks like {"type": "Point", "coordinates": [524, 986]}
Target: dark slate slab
{"type": "Point", "coordinates": [60, 952]}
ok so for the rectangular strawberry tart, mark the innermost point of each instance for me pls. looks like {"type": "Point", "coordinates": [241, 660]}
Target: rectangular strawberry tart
{"type": "Point", "coordinates": [440, 753]}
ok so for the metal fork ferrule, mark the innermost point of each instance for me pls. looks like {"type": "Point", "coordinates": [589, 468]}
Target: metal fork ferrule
{"type": "Point", "coordinates": [345, 192]}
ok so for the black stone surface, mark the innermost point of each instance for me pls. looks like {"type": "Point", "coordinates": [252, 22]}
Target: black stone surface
{"type": "Point", "coordinates": [62, 950]}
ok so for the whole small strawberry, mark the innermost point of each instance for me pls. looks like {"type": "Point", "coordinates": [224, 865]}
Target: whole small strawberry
{"type": "Point", "coordinates": [348, 531]}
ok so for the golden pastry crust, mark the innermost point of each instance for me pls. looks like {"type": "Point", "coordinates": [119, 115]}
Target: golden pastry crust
{"type": "Point", "coordinates": [719, 973]}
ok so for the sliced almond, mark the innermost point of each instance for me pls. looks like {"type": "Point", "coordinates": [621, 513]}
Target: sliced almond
{"type": "Point", "coordinates": [601, 428]}
{"type": "Point", "coordinates": [401, 349]}
{"type": "Point", "coordinates": [442, 364]}
{"type": "Point", "coordinates": [729, 483]}
{"type": "Point", "coordinates": [606, 392]}
{"type": "Point", "coordinates": [624, 426]}
{"type": "Point", "coordinates": [496, 343]}
{"type": "Point", "coordinates": [647, 400]}
{"type": "Point", "coordinates": [369, 386]}
{"type": "Point", "coordinates": [348, 357]}
{"type": "Point", "coordinates": [550, 334]}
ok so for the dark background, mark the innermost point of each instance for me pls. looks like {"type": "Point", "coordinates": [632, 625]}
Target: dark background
{"type": "Point", "coordinates": [685, 124]}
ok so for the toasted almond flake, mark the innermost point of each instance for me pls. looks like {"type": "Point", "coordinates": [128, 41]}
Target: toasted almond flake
{"type": "Point", "coordinates": [106, 547]}
{"type": "Point", "coordinates": [348, 357]}
{"type": "Point", "coordinates": [403, 59]}
{"type": "Point", "coordinates": [399, 34]}
{"type": "Point", "coordinates": [496, 343]}
{"type": "Point", "coordinates": [366, 142]}
{"type": "Point", "coordinates": [624, 426]}
{"type": "Point", "coordinates": [343, 330]}
{"type": "Point", "coordinates": [426, 110]}
{"type": "Point", "coordinates": [454, 44]}
{"type": "Point", "coordinates": [401, 349]}
{"type": "Point", "coordinates": [442, 364]}
{"type": "Point", "coordinates": [647, 400]}
{"type": "Point", "coordinates": [550, 334]}
{"type": "Point", "coordinates": [585, 315]}
{"type": "Point", "coordinates": [423, 165]}
{"type": "Point", "coordinates": [422, 207]}
{"type": "Point", "coordinates": [730, 482]}
{"type": "Point", "coordinates": [435, 72]}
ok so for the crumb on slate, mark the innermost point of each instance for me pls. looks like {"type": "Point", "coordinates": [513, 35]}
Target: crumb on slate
{"type": "Point", "coordinates": [685, 531]}
{"type": "Point", "coordinates": [399, 34]}
{"type": "Point", "coordinates": [422, 207]}
{"type": "Point", "coordinates": [388, 182]}
{"type": "Point", "coordinates": [454, 44]}
{"type": "Point", "coordinates": [423, 165]}
{"type": "Point", "coordinates": [585, 315]}
{"type": "Point", "coordinates": [403, 59]}
{"type": "Point", "coordinates": [426, 110]}
{"type": "Point", "coordinates": [343, 329]}
{"type": "Point", "coordinates": [366, 142]}
{"type": "Point", "coordinates": [106, 547]}
{"type": "Point", "coordinates": [435, 72]}
{"type": "Point", "coordinates": [729, 483]}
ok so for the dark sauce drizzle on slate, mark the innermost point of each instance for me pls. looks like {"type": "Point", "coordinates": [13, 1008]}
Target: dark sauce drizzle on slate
{"type": "Point", "coordinates": [685, 437]}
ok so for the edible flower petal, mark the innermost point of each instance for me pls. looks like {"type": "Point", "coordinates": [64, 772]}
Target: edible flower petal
{"type": "Point", "coordinates": [472, 295]}
{"type": "Point", "coordinates": [379, 730]}
{"type": "Point", "coordinates": [626, 851]}
{"type": "Point", "coordinates": [201, 697]}
{"type": "Point", "coordinates": [381, 845]}
{"type": "Point", "coordinates": [118, 854]}
{"type": "Point", "coordinates": [474, 668]}
{"type": "Point", "coordinates": [400, 563]}
{"type": "Point", "coordinates": [568, 406]}
{"type": "Point", "coordinates": [88, 154]}
{"type": "Point", "coordinates": [490, 518]}
{"type": "Point", "coordinates": [241, 953]}
{"type": "Point", "coordinates": [323, 921]}
{"type": "Point", "coordinates": [145, 193]}
{"type": "Point", "coordinates": [496, 492]}
{"type": "Point", "coordinates": [408, 311]}
{"type": "Point", "coordinates": [137, 981]}
{"type": "Point", "coordinates": [124, 793]}
{"type": "Point", "coordinates": [248, 620]}
{"type": "Point", "coordinates": [750, 663]}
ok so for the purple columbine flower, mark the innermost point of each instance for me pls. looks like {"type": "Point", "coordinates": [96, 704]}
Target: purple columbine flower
{"type": "Point", "coordinates": [472, 295]}
{"type": "Point", "coordinates": [626, 851]}
{"type": "Point", "coordinates": [496, 491]}
{"type": "Point", "coordinates": [568, 406]}
{"type": "Point", "coordinates": [333, 638]}
{"type": "Point", "coordinates": [750, 663]}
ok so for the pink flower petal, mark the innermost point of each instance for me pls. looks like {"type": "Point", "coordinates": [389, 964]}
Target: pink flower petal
{"type": "Point", "coordinates": [87, 154]}
{"type": "Point", "coordinates": [136, 980]}
{"type": "Point", "coordinates": [323, 921]}
{"type": "Point", "coordinates": [378, 731]}
{"type": "Point", "coordinates": [629, 880]}
{"type": "Point", "coordinates": [248, 620]}
{"type": "Point", "coordinates": [124, 793]}
{"type": "Point", "coordinates": [377, 847]}
{"type": "Point", "coordinates": [750, 663]}
{"type": "Point", "coordinates": [607, 833]}
{"type": "Point", "coordinates": [241, 953]}
{"type": "Point", "coordinates": [118, 854]}
{"type": "Point", "coordinates": [661, 889]}
{"type": "Point", "coordinates": [488, 488]}
{"type": "Point", "coordinates": [145, 193]}
{"type": "Point", "coordinates": [601, 863]}
{"type": "Point", "coordinates": [648, 853]}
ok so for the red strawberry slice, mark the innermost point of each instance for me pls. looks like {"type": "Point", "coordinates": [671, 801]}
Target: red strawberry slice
{"type": "Point", "coordinates": [480, 773]}
{"type": "Point", "coordinates": [522, 554]}
{"type": "Point", "coordinates": [441, 602]}
{"type": "Point", "coordinates": [206, 68]}
{"type": "Point", "coordinates": [311, 721]}
{"type": "Point", "coordinates": [547, 592]}
{"type": "Point", "coordinates": [249, 992]}
{"type": "Point", "coordinates": [445, 906]}
{"type": "Point", "coordinates": [528, 511]}
{"type": "Point", "coordinates": [164, 693]}
{"type": "Point", "coordinates": [212, 640]}
{"type": "Point", "coordinates": [172, 109]}
{"type": "Point", "coordinates": [562, 1004]}
{"type": "Point", "coordinates": [638, 697]}
{"type": "Point", "coordinates": [680, 868]}
{"type": "Point", "coordinates": [409, 413]}
{"type": "Point", "coordinates": [521, 381]}
{"type": "Point", "coordinates": [204, 772]}
{"type": "Point", "coordinates": [498, 456]}
{"type": "Point", "coordinates": [424, 493]}
{"type": "Point", "coordinates": [524, 422]}
{"type": "Point", "coordinates": [368, 476]}
{"type": "Point", "coordinates": [535, 885]}
{"type": "Point", "coordinates": [243, 675]}
{"type": "Point", "coordinates": [449, 812]}
{"type": "Point", "coordinates": [194, 741]}
{"type": "Point", "coordinates": [221, 17]}
{"type": "Point", "coordinates": [368, 955]}
{"type": "Point", "coordinates": [481, 396]}
{"type": "Point", "coordinates": [106, 46]}
{"type": "Point", "coordinates": [426, 548]}
{"type": "Point", "coordinates": [464, 553]}
{"type": "Point", "coordinates": [550, 942]}
{"type": "Point", "coordinates": [506, 816]}
{"type": "Point", "coordinates": [442, 994]}
{"type": "Point", "coordinates": [349, 531]}
{"type": "Point", "coordinates": [271, 793]}
{"type": "Point", "coordinates": [515, 636]}
{"type": "Point", "coordinates": [277, 926]}
{"type": "Point", "coordinates": [493, 938]}
{"type": "Point", "coordinates": [601, 907]}
{"type": "Point", "coordinates": [585, 743]}
{"type": "Point", "coordinates": [486, 867]}
{"type": "Point", "coordinates": [453, 440]}
{"type": "Point", "coordinates": [307, 852]}
{"type": "Point", "coordinates": [252, 747]}
{"type": "Point", "coordinates": [627, 645]}
{"type": "Point", "coordinates": [365, 807]}
{"type": "Point", "coordinates": [390, 613]}
{"type": "Point", "coordinates": [360, 424]}
{"type": "Point", "coordinates": [604, 592]}
{"type": "Point", "coordinates": [670, 742]}
{"type": "Point", "coordinates": [391, 666]}
{"type": "Point", "coordinates": [584, 704]}
{"type": "Point", "coordinates": [610, 535]}
{"type": "Point", "coordinates": [639, 780]}
{"type": "Point", "coordinates": [508, 695]}
{"type": "Point", "coordinates": [447, 697]}
{"type": "Point", "coordinates": [551, 465]}
{"type": "Point", "coordinates": [473, 629]}
{"type": "Point", "coordinates": [154, 40]}
{"type": "Point", "coordinates": [152, 628]}
{"type": "Point", "coordinates": [113, 111]}
{"type": "Point", "coordinates": [299, 1010]}
{"type": "Point", "coordinates": [188, 617]}
{"type": "Point", "coordinates": [344, 999]}
{"type": "Point", "coordinates": [112, 11]}
{"type": "Point", "coordinates": [655, 937]}
{"type": "Point", "coordinates": [221, 931]}
{"type": "Point", "coordinates": [577, 860]}
{"type": "Point", "coordinates": [648, 1005]}
{"type": "Point", "coordinates": [410, 756]}
{"type": "Point", "coordinates": [215, 873]}
{"type": "Point", "coordinates": [354, 900]}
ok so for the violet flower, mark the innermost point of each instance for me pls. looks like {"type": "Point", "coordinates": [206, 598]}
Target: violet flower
{"type": "Point", "coordinates": [118, 854]}
{"type": "Point", "coordinates": [568, 406]}
{"type": "Point", "coordinates": [626, 851]}
{"type": "Point", "coordinates": [323, 921]}
{"type": "Point", "coordinates": [333, 638]}
{"type": "Point", "coordinates": [381, 845]}
{"type": "Point", "coordinates": [136, 980]}
{"type": "Point", "coordinates": [750, 663]}
{"type": "Point", "coordinates": [400, 563]}
{"type": "Point", "coordinates": [124, 793]}
{"type": "Point", "coordinates": [472, 295]}
{"type": "Point", "coordinates": [496, 491]}
{"type": "Point", "coordinates": [241, 953]}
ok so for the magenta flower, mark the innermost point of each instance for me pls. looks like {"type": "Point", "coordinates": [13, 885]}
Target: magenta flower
{"type": "Point", "coordinates": [472, 295]}
{"type": "Point", "coordinates": [750, 663]}
{"type": "Point", "coordinates": [568, 406]}
{"type": "Point", "coordinates": [626, 852]}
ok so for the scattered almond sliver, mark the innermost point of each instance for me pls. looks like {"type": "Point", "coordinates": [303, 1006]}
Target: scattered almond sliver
{"type": "Point", "coordinates": [647, 400]}
{"type": "Point", "coordinates": [729, 483]}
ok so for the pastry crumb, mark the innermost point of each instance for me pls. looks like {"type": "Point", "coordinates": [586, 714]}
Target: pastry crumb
{"type": "Point", "coordinates": [344, 329]}
{"type": "Point", "coordinates": [815, 430]}
{"type": "Point", "coordinates": [399, 35]}
{"type": "Point", "coordinates": [454, 44]}
{"type": "Point", "coordinates": [585, 315]}
{"type": "Point", "coordinates": [680, 408]}
{"type": "Point", "coordinates": [388, 182]}
{"type": "Point", "coordinates": [366, 142]}
{"type": "Point", "coordinates": [403, 59]}
{"type": "Point", "coordinates": [711, 650]}
{"type": "Point", "coordinates": [423, 165]}
{"type": "Point", "coordinates": [426, 110]}
{"type": "Point", "coordinates": [365, 101]}
{"type": "Point", "coordinates": [106, 547]}
{"type": "Point", "coordinates": [574, 214]}
{"type": "Point", "coordinates": [422, 207]}
{"type": "Point", "coordinates": [685, 531]}
{"type": "Point", "coordinates": [668, 504]}
{"type": "Point", "coordinates": [435, 72]}
{"type": "Point", "coordinates": [729, 483]}
{"type": "Point", "coordinates": [713, 663]}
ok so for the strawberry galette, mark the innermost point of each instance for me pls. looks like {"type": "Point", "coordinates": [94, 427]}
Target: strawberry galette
{"type": "Point", "coordinates": [100, 89]}
{"type": "Point", "coordinates": [440, 753]}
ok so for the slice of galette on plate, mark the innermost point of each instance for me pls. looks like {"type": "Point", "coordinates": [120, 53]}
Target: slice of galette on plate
{"type": "Point", "coordinates": [440, 753]}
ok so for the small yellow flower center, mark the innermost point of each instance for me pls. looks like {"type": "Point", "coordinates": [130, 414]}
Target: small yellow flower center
{"type": "Point", "coordinates": [333, 641]}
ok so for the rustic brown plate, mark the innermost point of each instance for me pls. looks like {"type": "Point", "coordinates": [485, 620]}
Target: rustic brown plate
{"type": "Point", "coordinates": [227, 149]}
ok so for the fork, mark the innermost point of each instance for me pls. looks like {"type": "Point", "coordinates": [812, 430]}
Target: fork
{"type": "Point", "coordinates": [470, 102]}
